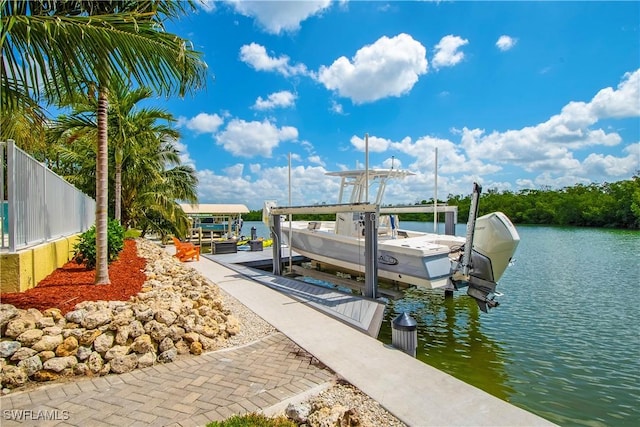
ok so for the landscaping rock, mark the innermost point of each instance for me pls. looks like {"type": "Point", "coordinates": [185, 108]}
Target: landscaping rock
{"type": "Point", "coordinates": [104, 342]}
{"type": "Point", "coordinates": [47, 343]}
{"type": "Point", "coordinates": [177, 312]}
{"type": "Point", "coordinates": [59, 364]}
{"type": "Point", "coordinates": [31, 365]}
{"type": "Point", "coordinates": [8, 348]}
{"type": "Point", "coordinates": [95, 362]}
{"type": "Point", "coordinates": [14, 376]}
{"type": "Point", "coordinates": [168, 356]}
{"type": "Point", "coordinates": [122, 364]}
{"type": "Point", "coordinates": [96, 318]}
{"type": "Point", "coordinates": [23, 353]}
{"type": "Point", "coordinates": [146, 360]}
{"type": "Point", "coordinates": [69, 347]}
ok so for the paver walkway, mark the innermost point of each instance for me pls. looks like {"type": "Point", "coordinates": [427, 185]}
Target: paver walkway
{"type": "Point", "coordinates": [189, 392]}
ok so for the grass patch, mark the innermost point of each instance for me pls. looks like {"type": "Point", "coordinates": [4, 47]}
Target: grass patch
{"type": "Point", "coordinates": [253, 420]}
{"type": "Point", "coordinates": [132, 233]}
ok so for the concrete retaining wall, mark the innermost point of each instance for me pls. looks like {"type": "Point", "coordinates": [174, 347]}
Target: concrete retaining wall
{"type": "Point", "coordinates": [23, 270]}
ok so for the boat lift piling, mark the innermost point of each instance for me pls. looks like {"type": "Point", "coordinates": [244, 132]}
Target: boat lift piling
{"type": "Point", "coordinates": [370, 256]}
{"type": "Point", "coordinates": [277, 244]}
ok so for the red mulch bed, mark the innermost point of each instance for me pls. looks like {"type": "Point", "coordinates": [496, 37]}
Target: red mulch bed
{"type": "Point", "coordinates": [73, 283]}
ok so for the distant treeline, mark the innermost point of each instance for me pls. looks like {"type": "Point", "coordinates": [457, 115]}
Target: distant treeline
{"type": "Point", "coordinates": [613, 205]}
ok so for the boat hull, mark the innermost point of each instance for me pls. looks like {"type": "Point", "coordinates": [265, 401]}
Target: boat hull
{"type": "Point", "coordinates": [414, 261]}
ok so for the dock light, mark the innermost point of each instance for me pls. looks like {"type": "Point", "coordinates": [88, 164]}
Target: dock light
{"type": "Point", "coordinates": [404, 333]}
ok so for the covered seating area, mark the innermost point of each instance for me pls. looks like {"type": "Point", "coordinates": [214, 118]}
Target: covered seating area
{"type": "Point", "coordinates": [210, 221]}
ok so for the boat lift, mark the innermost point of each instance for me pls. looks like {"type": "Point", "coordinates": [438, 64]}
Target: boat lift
{"type": "Point", "coordinates": [370, 213]}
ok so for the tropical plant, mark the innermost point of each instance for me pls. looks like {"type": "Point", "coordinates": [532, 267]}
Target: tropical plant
{"type": "Point", "coordinates": [63, 48]}
{"type": "Point", "coordinates": [153, 176]}
{"type": "Point", "coordinates": [85, 249]}
{"type": "Point", "coordinates": [128, 127]}
{"type": "Point", "coordinates": [153, 182]}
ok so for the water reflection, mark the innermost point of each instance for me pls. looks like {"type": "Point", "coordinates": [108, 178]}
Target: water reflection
{"type": "Point", "coordinates": [450, 338]}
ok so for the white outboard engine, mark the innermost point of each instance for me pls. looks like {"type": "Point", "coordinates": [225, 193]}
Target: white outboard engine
{"type": "Point", "coordinates": [491, 242]}
{"type": "Point", "coordinates": [494, 243]}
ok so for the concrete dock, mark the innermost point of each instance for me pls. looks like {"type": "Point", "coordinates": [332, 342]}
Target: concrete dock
{"type": "Point", "coordinates": [414, 392]}
{"type": "Point", "coordinates": [310, 350]}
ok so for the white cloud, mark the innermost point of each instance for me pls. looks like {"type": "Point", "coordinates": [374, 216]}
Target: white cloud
{"type": "Point", "coordinates": [307, 145]}
{"type": "Point", "coordinates": [376, 145]}
{"type": "Point", "coordinates": [316, 160]}
{"type": "Point", "coordinates": [447, 53]}
{"type": "Point", "coordinates": [249, 139]}
{"type": "Point", "coordinates": [550, 146]}
{"type": "Point", "coordinates": [336, 107]}
{"type": "Point", "coordinates": [388, 67]}
{"type": "Point", "coordinates": [203, 123]}
{"type": "Point", "coordinates": [234, 171]}
{"type": "Point", "coordinates": [276, 17]}
{"type": "Point", "coordinates": [451, 159]}
{"type": "Point", "coordinates": [620, 103]}
{"type": "Point", "coordinates": [310, 186]}
{"type": "Point", "coordinates": [599, 165]}
{"type": "Point", "coordinates": [505, 43]}
{"type": "Point", "coordinates": [282, 99]}
{"type": "Point", "coordinates": [256, 56]}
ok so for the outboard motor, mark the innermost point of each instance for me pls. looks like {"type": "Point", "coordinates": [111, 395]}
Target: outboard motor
{"type": "Point", "coordinates": [491, 242]}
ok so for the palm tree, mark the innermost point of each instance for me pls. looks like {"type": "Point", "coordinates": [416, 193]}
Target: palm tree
{"type": "Point", "coordinates": [153, 182]}
{"type": "Point", "coordinates": [126, 124]}
{"type": "Point", "coordinates": [153, 176]}
{"type": "Point", "coordinates": [61, 48]}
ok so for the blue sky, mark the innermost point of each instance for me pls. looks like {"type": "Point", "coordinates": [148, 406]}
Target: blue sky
{"type": "Point", "coordinates": [513, 94]}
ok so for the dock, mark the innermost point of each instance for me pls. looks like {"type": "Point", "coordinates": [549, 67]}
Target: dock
{"type": "Point", "coordinates": [363, 314]}
{"type": "Point", "coordinates": [309, 352]}
{"type": "Point", "coordinates": [414, 392]}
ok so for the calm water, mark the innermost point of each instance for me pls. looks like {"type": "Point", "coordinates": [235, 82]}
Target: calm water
{"type": "Point", "coordinates": [565, 341]}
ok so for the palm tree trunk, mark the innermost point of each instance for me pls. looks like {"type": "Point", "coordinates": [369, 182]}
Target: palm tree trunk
{"type": "Point", "coordinates": [102, 189]}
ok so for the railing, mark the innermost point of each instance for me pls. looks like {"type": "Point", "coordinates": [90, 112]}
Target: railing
{"type": "Point", "coordinates": [40, 206]}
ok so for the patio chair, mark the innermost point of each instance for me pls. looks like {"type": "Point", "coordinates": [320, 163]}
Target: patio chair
{"type": "Point", "coordinates": [186, 251]}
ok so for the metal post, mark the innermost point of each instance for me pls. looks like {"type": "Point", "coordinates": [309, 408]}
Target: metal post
{"type": "Point", "coordinates": [276, 247]}
{"type": "Point", "coordinates": [11, 194]}
{"type": "Point", "coordinates": [366, 167]}
{"type": "Point", "coordinates": [435, 195]}
{"type": "Point", "coordinates": [370, 256]}
{"type": "Point", "coordinates": [290, 218]}
{"type": "Point", "coordinates": [449, 224]}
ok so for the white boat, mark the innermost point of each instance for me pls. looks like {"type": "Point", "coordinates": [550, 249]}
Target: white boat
{"type": "Point", "coordinates": [422, 259]}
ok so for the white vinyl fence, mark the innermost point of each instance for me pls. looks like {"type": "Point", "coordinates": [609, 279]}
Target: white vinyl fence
{"type": "Point", "coordinates": [37, 205]}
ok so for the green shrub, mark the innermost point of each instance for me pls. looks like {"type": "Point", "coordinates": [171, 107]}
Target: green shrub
{"type": "Point", "coordinates": [253, 420]}
{"type": "Point", "coordinates": [85, 249]}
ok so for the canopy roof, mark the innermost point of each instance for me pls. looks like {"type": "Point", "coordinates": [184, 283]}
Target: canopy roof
{"type": "Point", "coordinates": [213, 209]}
